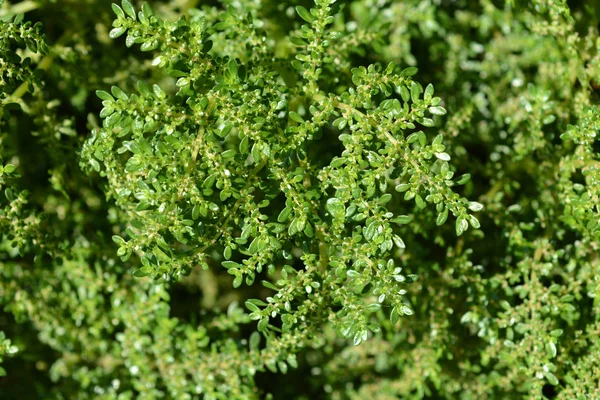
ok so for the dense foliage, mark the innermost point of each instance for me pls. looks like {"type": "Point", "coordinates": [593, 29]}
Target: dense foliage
{"type": "Point", "coordinates": [246, 199]}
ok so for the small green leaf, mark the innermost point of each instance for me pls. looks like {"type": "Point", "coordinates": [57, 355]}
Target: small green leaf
{"type": "Point", "coordinates": [428, 122]}
{"type": "Point", "coordinates": [95, 164]}
{"type": "Point", "coordinates": [461, 225]}
{"type": "Point", "coordinates": [394, 316]}
{"type": "Point", "coordinates": [147, 10]}
{"type": "Point", "coordinates": [398, 241]}
{"type": "Point", "coordinates": [232, 67]}
{"type": "Point", "coordinates": [463, 179]}
{"type": "Point", "coordinates": [118, 11]}
{"type": "Point", "coordinates": [551, 349]}
{"type": "Point", "coordinates": [262, 324]}
{"type": "Point", "coordinates": [402, 219]}
{"type": "Point", "coordinates": [116, 32]}
{"type": "Point", "coordinates": [404, 93]}
{"type": "Point", "coordinates": [118, 239]}
{"type": "Point", "coordinates": [551, 378]}
{"type": "Point", "coordinates": [128, 7]}
{"type": "Point", "coordinates": [373, 307]}
{"type": "Point", "coordinates": [384, 199]}
{"type": "Point", "coordinates": [474, 222]}
{"type": "Point", "coordinates": [403, 187]}
{"type": "Point", "coordinates": [237, 282]}
{"type": "Point", "coordinates": [284, 215]}
{"type": "Point", "coordinates": [410, 71]}
{"type": "Point", "coordinates": [429, 93]}
{"type": "Point", "coordinates": [251, 306]}
{"type": "Point", "coordinates": [103, 95]}
{"type": "Point", "coordinates": [336, 208]}
{"type": "Point", "coordinates": [305, 14]}
{"type": "Point", "coordinates": [437, 110]}
{"type": "Point", "coordinates": [352, 273]}
{"type": "Point", "coordinates": [475, 206]}
{"type": "Point", "coordinates": [158, 91]}
{"type": "Point", "coordinates": [556, 333]}
{"type": "Point", "coordinates": [420, 202]}
{"type": "Point", "coordinates": [139, 273]}
{"type": "Point", "coordinates": [442, 217]}
{"type": "Point", "coordinates": [160, 255]}
{"type": "Point", "coordinates": [294, 116]}
{"type": "Point", "coordinates": [443, 156]}
{"type": "Point", "coordinates": [254, 341]}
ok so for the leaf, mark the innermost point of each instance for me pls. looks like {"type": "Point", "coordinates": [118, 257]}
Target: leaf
{"type": "Point", "coordinates": [429, 93]}
{"type": "Point", "coordinates": [160, 255]}
{"type": "Point", "coordinates": [556, 333]}
{"type": "Point", "coordinates": [410, 71]}
{"type": "Point", "coordinates": [371, 230]}
{"type": "Point", "coordinates": [403, 187]}
{"type": "Point", "coordinates": [196, 211]}
{"type": "Point", "coordinates": [463, 179]}
{"type": "Point", "coordinates": [103, 95]}
{"type": "Point", "coordinates": [232, 67]}
{"type": "Point", "coordinates": [158, 91]}
{"type": "Point", "coordinates": [118, 239]}
{"type": "Point", "coordinates": [551, 349]}
{"type": "Point", "coordinates": [352, 273]}
{"type": "Point", "coordinates": [262, 324]}
{"type": "Point", "coordinates": [251, 306]}
{"type": "Point", "coordinates": [420, 202]}
{"type": "Point", "coordinates": [237, 282]}
{"type": "Point", "coordinates": [227, 252]}
{"type": "Point", "coordinates": [138, 273]}
{"type": "Point", "coordinates": [294, 116]}
{"type": "Point", "coordinates": [398, 241]}
{"type": "Point", "coordinates": [402, 219]}
{"type": "Point", "coordinates": [336, 208]}
{"type": "Point", "coordinates": [147, 10]}
{"type": "Point", "coordinates": [474, 222]}
{"type": "Point", "coordinates": [128, 7]}
{"type": "Point", "coordinates": [230, 264]}
{"type": "Point", "coordinates": [305, 14]}
{"type": "Point", "coordinates": [284, 215]}
{"type": "Point", "coordinates": [394, 316]}
{"type": "Point", "coordinates": [359, 337]}
{"type": "Point", "coordinates": [428, 122]}
{"type": "Point", "coordinates": [442, 217]}
{"type": "Point", "coordinates": [373, 307]}
{"type": "Point", "coordinates": [254, 341]}
{"type": "Point", "coordinates": [461, 225]}
{"type": "Point", "coordinates": [551, 378]}
{"type": "Point", "coordinates": [384, 199]}
{"type": "Point", "coordinates": [443, 156]}
{"type": "Point", "coordinates": [118, 11]}
{"type": "Point", "coordinates": [116, 32]}
{"type": "Point", "coordinates": [475, 206]}
{"type": "Point", "coordinates": [404, 93]}
{"type": "Point", "coordinates": [437, 110]}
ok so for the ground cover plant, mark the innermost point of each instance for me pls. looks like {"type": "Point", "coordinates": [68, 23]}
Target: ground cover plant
{"type": "Point", "coordinates": [243, 199]}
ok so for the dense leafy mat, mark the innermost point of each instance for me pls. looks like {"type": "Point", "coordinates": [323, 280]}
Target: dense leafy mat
{"type": "Point", "coordinates": [268, 199]}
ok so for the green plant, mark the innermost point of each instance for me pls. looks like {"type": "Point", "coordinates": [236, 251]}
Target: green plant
{"type": "Point", "coordinates": [251, 199]}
